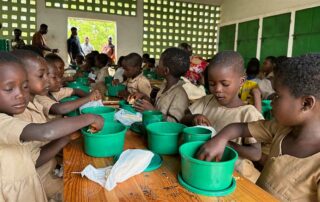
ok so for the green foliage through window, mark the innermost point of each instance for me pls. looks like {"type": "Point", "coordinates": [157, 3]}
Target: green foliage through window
{"type": "Point", "coordinates": [98, 31]}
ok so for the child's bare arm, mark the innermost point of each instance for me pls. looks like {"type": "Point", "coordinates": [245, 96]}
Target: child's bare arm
{"type": "Point", "coordinates": [250, 151]}
{"type": "Point", "coordinates": [257, 98]}
{"type": "Point", "coordinates": [50, 150]}
{"type": "Point", "coordinates": [79, 93]}
{"type": "Point", "coordinates": [59, 128]}
{"type": "Point", "coordinates": [214, 148]}
{"type": "Point", "coordinates": [66, 107]}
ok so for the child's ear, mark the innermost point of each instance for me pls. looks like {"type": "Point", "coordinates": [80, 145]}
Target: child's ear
{"type": "Point", "coordinates": [308, 103]}
{"type": "Point", "coordinates": [242, 80]}
{"type": "Point", "coordinates": [166, 71]}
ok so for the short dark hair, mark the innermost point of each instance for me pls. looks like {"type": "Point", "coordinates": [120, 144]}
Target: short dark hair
{"type": "Point", "coordinates": [226, 59]}
{"type": "Point", "coordinates": [120, 60]}
{"type": "Point", "coordinates": [24, 55]}
{"type": "Point", "coordinates": [272, 59]}
{"type": "Point", "coordinates": [133, 60]}
{"type": "Point", "coordinates": [52, 57]}
{"type": "Point", "coordinates": [186, 47]}
{"type": "Point", "coordinates": [7, 57]}
{"type": "Point", "coordinates": [103, 59]}
{"type": "Point", "coordinates": [177, 60]}
{"type": "Point", "coordinates": [17, 30]}
{"type": "Point", "coordinates": [43, 26]}
{"type": "Point", "coordinates": [253, 67]}
{"type": "Point", "coordinates": [151, 61]}
{"type": "Point", "coordinates": [89, 59]}
{"type": "Point", "coordinates": [301, 75]}
{"type": "Point", "coordinates": [73, 28]}
{"type": "Point", "coordinates": [146, 55]}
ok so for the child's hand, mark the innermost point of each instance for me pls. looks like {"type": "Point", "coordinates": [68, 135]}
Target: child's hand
{"type": "Point", "coordinates": [95, 95]}
{"type": "Point", "coordinates": [97, 124]}
{"type": "Point", "coordinates": [201, 120]}
{"type": "Point", "coordinates": [212, 150]}
{"type": "Point", "coordinates": [75, 135]}
{"type": "Point", "coordinates": [135, 96]}
{"type": "Point", "coordinates": [142, 105]}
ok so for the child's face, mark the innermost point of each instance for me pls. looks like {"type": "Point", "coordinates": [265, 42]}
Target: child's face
{"type": "Point", "coordinates": [161, 70]}
{"type": "Point", "coordinates": [38, 76]}
{"type": "Point", "coordinates": [14, 91]}
{"type": "Point", "coordinates": [267, 66]}
{"type": "Point", "coordinates": [54, 78]}
{"type": "Point", "coordinates": [98, 64]}
{"type": "Point", "coordinates": [285, 107]}
{"type": "Point", "coordinates": [224, 84]}
{"type": "Point", "coordinates": [60, 66]}
{"type": "Point", "coordinates": [131, 72]}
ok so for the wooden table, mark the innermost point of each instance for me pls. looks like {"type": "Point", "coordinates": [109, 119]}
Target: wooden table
{"type": "Point", "coordinates": [159, 185]}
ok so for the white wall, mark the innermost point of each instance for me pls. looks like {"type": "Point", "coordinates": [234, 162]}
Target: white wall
{"type": "Point", "coordinates": [233, 11]}
{"type": "Point", "coordinates": [129, 29]}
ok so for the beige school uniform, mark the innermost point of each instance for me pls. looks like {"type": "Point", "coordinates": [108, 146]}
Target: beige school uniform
{"type": "Point", "coordinates": [286, 177]}
{"type": "Point", "coordinates": [220, 116]}
{"type": "Point", "coordinates": [47, 101]}
{"type": "Point", "coordinates": [53, 185]}
{"type": "Point", "coordinates": [19, 180]}
{"type": "Point", "coordinates": [173, 103]}
{"type": "Point", "coordinates": [139, 84]}
{"type": "Point", "coordinates": [102, 74]}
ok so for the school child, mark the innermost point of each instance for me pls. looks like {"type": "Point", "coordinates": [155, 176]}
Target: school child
{"type": "Point", "coordinates": [118, 75]}
{"type": "Point", "coordinates": [101, 62]}
{"type": "Point", "coordinates": [136, 82]}
{"type": "Point", "coordinates": [171, 100]}
{"type": "Point", "coordinates": [223, 106]}
{"type": "Point", "coordinates": [52, 107]}
{"type": "Point", "coordinates": [18, 159]}
{"type": "Point", "coordinates": [291, 172]}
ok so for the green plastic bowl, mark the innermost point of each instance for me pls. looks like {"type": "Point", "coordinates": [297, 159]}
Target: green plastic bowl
{"type": "Point", "coordinates": [82, 80]}
{"type": "Point", "coordinates": [266, 109]}
{"type": "Point", "coordinates": [106, 112]}
{"type": "Point", "coordinates": [79, 85]}
{"type": "Point", "coordinates": [68, 99]}
{"type": "Point", "coordinates": [210, 176]}
{"type": "Point", "coordinates": [163, 137]}
{"type": "Point", "coordinates": [108, 80]}
{"type": "Point", "coordinates": [106, 143]}
{"type": "Point", "coordinates": [195, 133]}
{"type": "Point", "coordinates": [114, 90]}
{"type": "Point", "coordinates": [151, 116]}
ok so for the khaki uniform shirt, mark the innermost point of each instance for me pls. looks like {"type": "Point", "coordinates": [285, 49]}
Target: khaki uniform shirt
{"type": "Point", "coordinates": [19, 180]}
{"type": "Point", "coordinates": [173, 103]}
{"type": "Point", "coordinates": [220, 116]}
{"type": "Point", "coordinates": [139, 84]}
{"type": "Point", "coordinates": [286, 177]}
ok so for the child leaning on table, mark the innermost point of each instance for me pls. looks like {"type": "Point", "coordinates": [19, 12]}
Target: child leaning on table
{"type": "Point", "coordinates": [51, 101]}
{"type": "Point", "coordinates": [18, 156]}
{"type": "Point", "coordinates": [171, 100]}
{"type": "Point", "coordinates": [225, 77]}
{"type": "Point", "coordinates": [292, 170]}
{"type": "Point", "coordinates": [136, 82]}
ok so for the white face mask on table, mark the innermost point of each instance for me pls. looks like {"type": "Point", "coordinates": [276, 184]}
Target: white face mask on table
{"type": "Point", "coordinates": [130, 163]}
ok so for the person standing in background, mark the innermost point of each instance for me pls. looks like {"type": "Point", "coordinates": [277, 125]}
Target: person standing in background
{"type": "Point", "coordinates": [74, 47]}
{"type": "Point", "coordinates": [39, 41]}
{"type": "Point", "coordinates": [87, 47]}
{"type": "Point", "coordinates": [17, 42]}
{"type": "Point", "coordinates": [109, 49]}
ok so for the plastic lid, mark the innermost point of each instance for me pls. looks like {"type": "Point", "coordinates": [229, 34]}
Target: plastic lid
{"type": "Point", "coordinates": [223, 192]}
{"type": "Point", "coordinates": [155, 163]}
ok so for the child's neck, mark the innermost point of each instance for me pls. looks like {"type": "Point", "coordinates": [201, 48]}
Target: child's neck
{"type": "Point", "coordinates": [171, 81]}
{"type": "Point", "coordinates": [136, 75]}
{"type": "Point", "coordinates": [31, 98]}
{"type": "Point", "coordinates": [310, 129]}
{"type": "Point", "coordinates": [236, 102]}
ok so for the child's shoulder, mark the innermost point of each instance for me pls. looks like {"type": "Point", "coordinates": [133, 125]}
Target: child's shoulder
{"type": "Point", "coordinates": [250, 113]}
